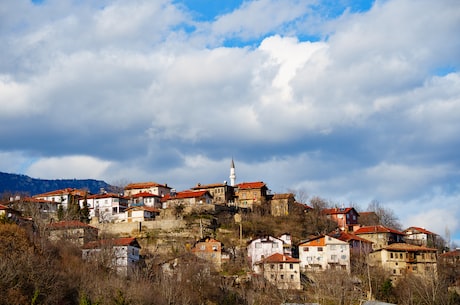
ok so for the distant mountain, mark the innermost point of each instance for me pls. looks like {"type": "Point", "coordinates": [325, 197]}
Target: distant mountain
{"type": "Point", "coordinates": [14, 184]}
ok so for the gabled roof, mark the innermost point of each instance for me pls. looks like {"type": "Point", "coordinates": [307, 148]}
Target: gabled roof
{"type": "Point", "coordinates": [142, 185]}
{"type": "Point", "coordinates": [377, 229]}
{"type": "Point", "coordinates": [69, 224]}
{"type": "Point", "coordinates": [344, 236]}
{"type": "Point", "coordinates": [407, 247]}
{"type": "Point", "coordinates": [251, 185]}
{"type": "Point", "coordinates": [319, 241]}
{"type": "Point", "coordinates": [266, 239]}
{"type": "Point", "coordinates": [105, 195]}
{"type": "Point", "coordinates": [454, 253]}
{"type": "Point", "coordinates": [187, 194]}
{"type": "Point", "coordinates": [114, 242]}
{"type": "Point", "coordinates": [66, 191]}
{"type": "Point", "coordinates": [418, 230]}
{"type": "Point", "coordinates": [334, 211]}
{"type": "Point", "coordinates": [208, 186]}
{"type": "Point", "coordinates": [3, 207]}
{"type": "Point", "coordinates": [144, 195]}
{"type": "Point", "coordinates": [278, 258]}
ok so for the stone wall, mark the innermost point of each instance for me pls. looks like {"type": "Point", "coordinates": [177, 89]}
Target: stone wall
{"type": "Point", "coordinates": [130, 228]}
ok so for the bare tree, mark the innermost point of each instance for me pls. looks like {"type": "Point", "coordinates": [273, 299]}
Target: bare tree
{"type": "Point", "coordinates": [386, 216]}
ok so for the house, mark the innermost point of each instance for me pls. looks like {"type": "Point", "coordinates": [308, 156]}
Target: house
{"type": "Point", "coordinates": [44, 209]}
{"type": "Point", "coordinates": [145, 199]}
{"type": "Point", "coordinates": [140, 214]}
{"type": "Point", "coordinates": [281, 270]}
{"type": "Point", "coordinates": [106, 207]}
{"type": "Point", "coordinates": [63, 197]}
{"type": "Point", "coordinates": [420, 237]}
{"type": "Point", "coordinates": [450, 264]}
{"type": "Point", "coordinates": [8, 213]}
{"type": "Point", "coordinates": [380, 236]}
{"type": "Point", "coordinates": [346, 218]}
{"type": "Point", "coordinates": [77, 232]}
{"type": "Point", "coordinates": [222, 193]}
{"type": "Point", "coordinates": [324, 252]}
{"type": "Point", "coordinates": [281, 204]}
{"type": "Point", "coordinates": [146, 187]}
{"type": "Point", "coordinates": [250, 194]}
{"type": "Point", "coordinates": [402, 258]}
{"type": "Point", "coordinates": [287, 243]}
{"type": "Point", "coordinates": [210, 250]}
{"type": "Point", "coordinates": [358, 245]}
{"type": "Point", "coordinates": [190, 200]}
{"type": "Point", "coordinates": [262, 247]}
{"type": "Point", "coordinates": [120, 254]}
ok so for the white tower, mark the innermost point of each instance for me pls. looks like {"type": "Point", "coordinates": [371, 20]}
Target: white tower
{"type": "Point", "coordinates": [232, 174]}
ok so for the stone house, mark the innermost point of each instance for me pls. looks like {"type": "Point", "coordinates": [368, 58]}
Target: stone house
{"type": "Point", "coordinates": [281, 270]}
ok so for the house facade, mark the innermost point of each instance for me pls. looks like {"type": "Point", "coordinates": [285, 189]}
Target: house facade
{"type": "Point", "coordinates": [380, 236]}
{"type": "Point", "coordinates": [251, 194]}
{"type": "Point", "coordinates": [120, 254]}
{"type": "Point", "coordinates": [324, 252]}
{"type": "Point", "coordinates": [281, 204]}
{"type": "Point", "coordinates": [63, 197]}
{"type": "Point", "coordinates": [346, 218]}
{"type": "Point", "coordinates": [139, 214]}
{"type": "Point", "coordinates": [105, 207]}
{"type": "Point", "coordinates": [264, 247]}
{"type": "Point", "coordinates": [281, 270]}
{"type": "Point", "coordinates": [358, 245]}
{"type": "Point", "coordinates": [420, 237]}
{"type": "Point", "coordinates": [190, 200]}
{"type": "Point", "coordinates": [77, 232]}
{"type": "Point", "coordinates": [146, 187]}
{"type": "Point", "coordinates": [210, 250]}
{"type": "Point", "coordinates": [401, 259]}
{"type": "Point", "coordinates": [145, 199]}
{"type": "Point", "coordinates": [221, 193]}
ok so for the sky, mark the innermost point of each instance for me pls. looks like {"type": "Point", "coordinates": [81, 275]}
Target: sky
{"type": "Point", "coordinates": [351, 101]}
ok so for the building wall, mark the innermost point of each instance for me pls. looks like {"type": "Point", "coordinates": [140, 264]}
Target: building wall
{"type": "Point", "coordinates": [283, 275]}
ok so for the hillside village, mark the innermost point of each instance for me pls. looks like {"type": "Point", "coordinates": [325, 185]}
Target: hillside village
{"type": "Point", "coordinates": [243, 235]}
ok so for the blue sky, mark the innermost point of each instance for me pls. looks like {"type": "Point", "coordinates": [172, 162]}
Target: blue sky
{"type": "Point", "coordinates": [352, 101]}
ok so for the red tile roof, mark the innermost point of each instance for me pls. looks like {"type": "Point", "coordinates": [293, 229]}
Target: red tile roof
{"type": "Point", "coordinates": [279, 258]}
{"type": "Point", "coordinates": [65, 191]}
{"type": "Point", "coordinates": [3, 207]}
{"type": "Point", "coordinates": [344, 236]}
{"type": "Point", "coordinates": [186, 194]}
{"type": "Point", "coordinates": [144, 194]}
{"type": "Point", "coordinates": [338, 211]}
{"type": "Point", "coordinates": [142, 185]}
{"type": "Point", "coordinates": [68, 225]}
{"type": "Point", "coordinates": [377, 229]}
{"type": "Point", "coordinates": [123, 241]}
{"type": "Point", "coordinates": [105, 195]}
{"type": "Point", "coordinates": [251, 185]}
{"type": "Point", "coordinates": [454, 253]}
{"type": "Point", "coordinates": [419, 230]}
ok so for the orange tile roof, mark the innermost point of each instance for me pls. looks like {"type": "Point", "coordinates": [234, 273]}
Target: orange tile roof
{"type": "Point", "coordinates": [377, 229]}
{"type": "Point", "coordinates": [144, 194]}
{"type": "Point", "coordinates": [279, 258]}
{"type": "Point", "coordinates": [122, 241]}
{"type": "Point", "coordinates": [142, 185]}
{"type": "Point", "coordinates": [68, 225]}
{"type": "Point", "coordinates": [251, 185]}
{"type": "Point", "coordinates": [61, 192]}
{"type": "Point", "coordinates": [319, 241]}
{"type": "Point", "coordinates": [105, 195]}
{"type": "Point", "coordinates": [3, 207]}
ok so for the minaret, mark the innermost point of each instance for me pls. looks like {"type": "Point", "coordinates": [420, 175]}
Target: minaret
{"type": "Point", "coordinates": [232, 174]}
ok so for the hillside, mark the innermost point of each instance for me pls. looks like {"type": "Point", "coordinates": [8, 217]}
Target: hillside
{"type": "Point", "coordinates": [14, 184]}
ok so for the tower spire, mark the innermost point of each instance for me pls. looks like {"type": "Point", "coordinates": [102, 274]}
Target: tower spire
{"type": "Point", "coordinates": [232, 173]}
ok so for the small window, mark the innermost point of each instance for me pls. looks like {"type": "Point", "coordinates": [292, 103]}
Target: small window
{"type": "Point", "coordinates": [272, 266]}
{"type": "Point", "coordinates": [292, 277]}
{"type": "Point", "coordinates": [320, 249]}
{"type": "Point", "coordinates": [282, 276]}
{"type": "Point", "coordinates": [281, 266]}
{"type": "Point", "coordinates": [305, 249]}
{"type": "Point", "coordinates": [291, 266]}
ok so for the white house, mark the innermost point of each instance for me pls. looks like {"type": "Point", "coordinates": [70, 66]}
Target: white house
{"type": "Point", "coordinates": [324, 252]}
{"type": "Point", "coordinates": [264, 247]}
{"type": "Point", "coordinates": [146, 187]}
{"type": "Point", "coordinates": [62, 197]}
{"type": "Point", "coordinates": [145, 199]}
{"type": "Point", "coordinates": [120, 254]}
{"type": "Point", "coordinates": [140, 214]}
{"type": "Point", "coordinates": [106, 207]}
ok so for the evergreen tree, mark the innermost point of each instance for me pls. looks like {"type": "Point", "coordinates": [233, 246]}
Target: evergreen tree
{"type": "Point", "coordinates": [84, 212]}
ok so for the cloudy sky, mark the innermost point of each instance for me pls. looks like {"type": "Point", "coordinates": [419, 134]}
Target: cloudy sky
{"type": "Point", "coordinates": [352, 101]}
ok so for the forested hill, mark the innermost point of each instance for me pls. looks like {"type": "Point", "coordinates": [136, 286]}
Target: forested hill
{"type": "Point", "coordinates": [14, 184]}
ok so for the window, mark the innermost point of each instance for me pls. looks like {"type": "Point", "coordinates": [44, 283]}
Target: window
{"type": "Point", "coordinates": [343, 257]}
{"type": "Point", "coordinates": [391, 254]}
{"type": "Point", "coordinates": [291, 266]}
{"type": "Point", "coordinates": [274, 245]}
{"type": "Point", "coordinates": [272, 266]}
{"type": "Point", "coordinates": [333, 257]}
{"type": "Point", "coordinates": [282, 276]}
{"type": "Point", "coordinates": [292, 277]}
{"type": "Point", "coordinates": [281, 266]}
{"type": "Point", "coordinates": [320, 249]}
{"type": "Point", "coordinates": [305, 249]}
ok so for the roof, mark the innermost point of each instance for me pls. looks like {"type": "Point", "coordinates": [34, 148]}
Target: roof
{"type": "Point", "coordinates": [418, 230]}
{"type": "Point", "coordinates": [61, 192]}
{"type": "Point", "coordinates": [319, 241]}
{"type": "Point", "coordinates": [144, 194]}
{"type": "Point", "coordinates": [69, 225]}
{"type": "Point", "coordinates": [142, 185]}
{"type": "Point", "coordinates": [283, 196]}
{"type": "Point", "coordinates": [122, 241]}
{"type": "Point", "coordinates": [344, 236]}
{"type": "Point", "coordinates": [377, 229]}
{"type": "Point", "coordinates": [407, 247]}
{"type": "Point", "coordinates": [105, 195]}
{"type": "Point", "coordinates": [339, 211]}
{"type": "Point", "coordinates": [3, 207]}
{"type": "Point", "coordinates": [208, 186]}
{"type": "Point", "coordinates": [278, 258]}
{"type": "Point", "coordinates": [454, 253]}
{"type": "Point", "coordinates": [187, 194]}
{"type": "Point", "coordinates": [251, 185]}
